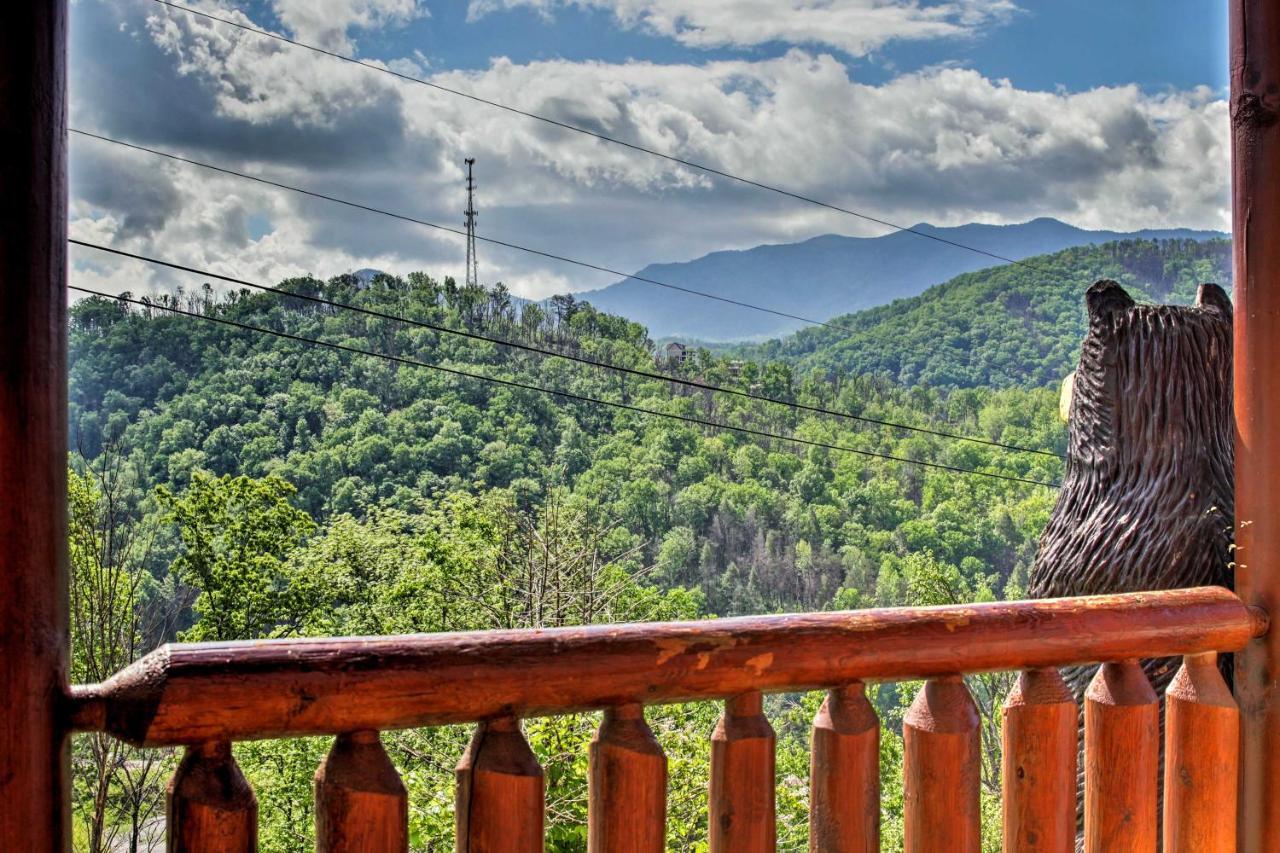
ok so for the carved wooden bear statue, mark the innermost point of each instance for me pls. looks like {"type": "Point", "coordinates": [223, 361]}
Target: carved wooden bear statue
{"type": "Point", "coordinates": [1148, 497]}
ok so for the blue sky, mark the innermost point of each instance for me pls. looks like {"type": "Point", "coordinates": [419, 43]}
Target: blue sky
{"type": "Point", "coordinates": [1075, 44]}
{"type": "Point", "coordinates": [1048, 44]}
{"type": "Point", "coordinates": [1080, 44]}
{"type": "Point", "coordinates": [1104, 114]}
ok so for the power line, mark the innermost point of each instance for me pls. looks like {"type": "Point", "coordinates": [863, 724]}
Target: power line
{"type": "Point", "coordinates": [702, 167]}
{"type": "Point", "coordinates": [511, 383]}
{"type": "Point", "coordinates": [492, 240]}
{"type": "Point", "coordinates": [630, 371]}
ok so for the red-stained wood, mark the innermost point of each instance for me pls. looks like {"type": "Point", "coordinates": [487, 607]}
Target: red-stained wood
{"type": "Point", "coordinates": [34, 772]}
{"type": "Point", "coordinates": [940, 770]}
{"type": "Point", "coordinates": [361, 804]}
{"type": "Point", "coordinates": [1255, 194]}
{"type": "Point", "coordinates": [501, 792]}
{"type": "Point", "coordinates": [844, 774]}
{"type": "Point", "coordinates": [210, 806]}
{"type": "Point", "coordinates": [1201, 760]}
{"type": "Point", "coordinates": [1121, 758]}
{"type": "Point", "coordinates": [627, 810]}
{"type": "Point", "coordinates": [182, 693]}
{"type": "Point", "coordinates": [742, 816]}
{"type": "Point", "coordinates": [1040, 734]}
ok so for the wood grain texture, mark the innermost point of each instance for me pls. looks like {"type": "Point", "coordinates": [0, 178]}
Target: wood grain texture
{"type": "Point", "coordinates": [501, 792]}
{"type": "Point", "coordinates": [1255, 194]}
{"type": "Point", "coordinates": [627, 791]}
{"type": "Point", "coordinates": [1201, 760]}
{"type": "Point", "coordinates": [210, 807]}
{"type": "Point", "coordinates": [940, 770]}
{"type": "Point", "coordinates": [1147, 492]}
{"type": "Point", "coordinates": [743, 784]}
{"type": "Point", "coordinates": [844, 774]}
{"type": "Point", "coordinates": [1121, 760]}
{"type": "Point", "coordinates": [34, 769]}
{"type": "Point", "coordinates": [240, 690]}
{"type": "Point", "coordinates": [361, 803]}
{"type": "Point", "coordinates": [1038, 772]}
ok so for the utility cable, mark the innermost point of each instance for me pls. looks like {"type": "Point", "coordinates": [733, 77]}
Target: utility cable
{"type": "Point", "coordinates": [629, 371]}
{"type": "Point", "coordinates": [701, 167]}
{"type": "Point", "coordinates": [409, 362]}
{"type": "Point", "coordinates": [491, 240]}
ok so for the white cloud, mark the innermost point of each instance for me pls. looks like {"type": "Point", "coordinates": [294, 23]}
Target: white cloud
{"type": "Point", "coordinates": [946, 146]}
{"type": "Point", "coordinates": [857, 27]}
{"type": "Point", "coordinates": [329, 22]}
{"type": "Point", "coordinates": [260, 81]}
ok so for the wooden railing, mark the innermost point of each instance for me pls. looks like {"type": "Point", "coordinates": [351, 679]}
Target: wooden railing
{"type": "Point", "coordinates": [205, 696]}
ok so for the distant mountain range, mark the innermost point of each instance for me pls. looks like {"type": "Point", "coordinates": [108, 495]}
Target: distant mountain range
{"type": "Point", "coordinates": [831, 275]}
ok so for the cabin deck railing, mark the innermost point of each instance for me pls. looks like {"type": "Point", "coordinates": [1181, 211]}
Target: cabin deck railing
{"type": "Point", "coordinates": [205, 696]}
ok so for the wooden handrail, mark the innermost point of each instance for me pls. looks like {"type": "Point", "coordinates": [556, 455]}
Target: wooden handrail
{"type": "Point", "coordinates": [285, 688]}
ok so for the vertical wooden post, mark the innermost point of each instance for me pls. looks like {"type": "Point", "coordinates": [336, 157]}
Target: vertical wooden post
{"type": "Point", "coordinates": [1201, 759]}
{"type": "Point", "coordinates": [743, 786]}
{"type": "Point", "coordinates": [361, 804]}
{"type": "Point", "coordinates": [1121, 760]}
{"type": "Point", "coordinates": [210, 806]}
{"type": "Point", "coordinates": [1041, 738]}
{"type": "Point", "coordinates": [940, 769]}
{"type": "Point", "coordinates": [844, 774]}
{"type": "Point", "coordinates": [34, 793]}
{"type": "Point", "coordinates": [501, 792]}
{"type": "Point", "coordinates": [1255, 197]}
{"type": "Point", "coordinates": [627, 797]}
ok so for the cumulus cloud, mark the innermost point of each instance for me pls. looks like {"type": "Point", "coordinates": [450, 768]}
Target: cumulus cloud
{"type": "Point", "coordinates": [946, 145]}
{"type": "Point", "coordinates": [260, 81]}
{"type": "Point", "coordinates": [329, 22]}
{"type": "Point", "coordinates": [857, 27]}
{"type": "Point", "coordinates": [144, 197]}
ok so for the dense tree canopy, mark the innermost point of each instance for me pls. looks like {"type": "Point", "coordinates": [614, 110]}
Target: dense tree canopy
{"type": "Point", "coordinates": [290, 489]}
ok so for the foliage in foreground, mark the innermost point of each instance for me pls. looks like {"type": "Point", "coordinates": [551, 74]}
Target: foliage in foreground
{"type": "Point", "coordinates": [234, 486]}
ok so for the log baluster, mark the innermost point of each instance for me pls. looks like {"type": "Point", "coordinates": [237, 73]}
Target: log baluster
{"type": "Point", "coordinates": [742, 779]}
{"type": "Point", "coordinates": [1201, 763]}
{"type": "Point", "coordinates": [501, 792]}
{"type": "Point", "coordinates": [1040, 732]}
{"type": "Point", "coordinates": [361, 804]}
{"type": "Point", "coordinates": [210, 805]}
{"type": "Point", "coordinates": [941, 769]}
{"type": "Point", "coordinates": [627, 810]}
{"type": "Point", "coordinates": [844, 774]}
{"type": "Point", "coordinates": [1121, 758]}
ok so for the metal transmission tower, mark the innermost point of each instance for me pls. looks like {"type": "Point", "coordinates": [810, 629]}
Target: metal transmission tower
{"type": "Point", "coordinates": [473, 264]}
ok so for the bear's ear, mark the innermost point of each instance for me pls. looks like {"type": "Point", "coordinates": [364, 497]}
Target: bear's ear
{"type": "Point", "coordinates": [1105, 298]}
{"type": "Point", "coordinates": [1213, 296]}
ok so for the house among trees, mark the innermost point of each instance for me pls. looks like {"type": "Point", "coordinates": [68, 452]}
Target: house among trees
{"type": "Point", "coordinates": [675, 353]}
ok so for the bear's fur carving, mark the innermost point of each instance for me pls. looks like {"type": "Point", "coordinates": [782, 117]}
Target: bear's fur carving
{"type": "Point", "coordinates": [1148, 497]}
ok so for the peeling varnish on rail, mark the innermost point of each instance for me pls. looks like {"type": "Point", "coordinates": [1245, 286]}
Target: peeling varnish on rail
{"type": "Point", "coordinates": [760, 663]}
{"type": "Point", "coordinates": [668, 649]}
{"type": "Point", "coordinates": [958, 621]}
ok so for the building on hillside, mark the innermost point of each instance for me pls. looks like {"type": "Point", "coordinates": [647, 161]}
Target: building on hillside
{"type": "Point", "coordinates": [675, 353]}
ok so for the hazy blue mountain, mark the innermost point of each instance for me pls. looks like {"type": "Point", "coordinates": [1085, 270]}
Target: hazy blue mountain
{"type": "Point", "coordinates": [831, 275]}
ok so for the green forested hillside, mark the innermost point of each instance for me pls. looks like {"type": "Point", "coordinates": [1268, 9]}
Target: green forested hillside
{"type": "Point", "coordinates": [756, 524]}
{"type": "Point", "coordinates": [241, 485]}
{"type": "Point", "coordinates": [1010, 325]}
